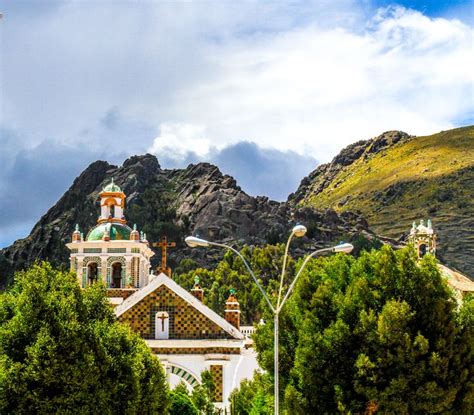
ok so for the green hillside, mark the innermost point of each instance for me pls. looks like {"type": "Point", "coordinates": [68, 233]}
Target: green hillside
{"type": "Point", "coordinates": [413, 178]}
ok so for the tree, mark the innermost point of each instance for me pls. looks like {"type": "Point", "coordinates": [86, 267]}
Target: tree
{"type": "Point", "coordinates": [253, 397]}
{"type": "Point", "coordinates": [380, 332]}
{"type": "Point", "coordinates": [62, 351]}
{"type": "Point", "coordinates": [181, 403]}
{"type": "Point", "coordinates": [203, 394]}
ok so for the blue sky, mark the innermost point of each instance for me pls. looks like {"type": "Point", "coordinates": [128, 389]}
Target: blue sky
{"type": "Point", "coordinates": [266, 90]}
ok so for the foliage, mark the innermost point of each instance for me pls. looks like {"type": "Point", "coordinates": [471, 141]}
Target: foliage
{"type": "Point", "coordinates": [253, 397]}
{"type": "Point", "coordinates": [181, 403]}
{"type": "Point", "coordinates": [200, 401]}
{"type": "Point", "coordinates": [231, 272]}
{"type": "Point", "coordinates": [382, 330]}
{"type": "Point", "coordinates": [203, 394]}
{"type": "Point", "coordinates": [61, 351]}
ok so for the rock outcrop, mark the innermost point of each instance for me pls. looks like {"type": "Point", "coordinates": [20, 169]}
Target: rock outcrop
{"type": "Point", "coordinates": [395, 178]}
{"type": "Point", "coordinates": [196, 200]}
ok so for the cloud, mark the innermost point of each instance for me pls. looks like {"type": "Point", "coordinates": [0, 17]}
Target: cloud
{"type": "Point", "coordinates": [309, 77]}
{"type": "Point", "coordinates": [259, 171]}
{"type": "Point", "coordinates": [177, 140]}
{"type": "Point", "coordinates": [281, 84]}
{"type": "Point", "coordinates": [265, 172]}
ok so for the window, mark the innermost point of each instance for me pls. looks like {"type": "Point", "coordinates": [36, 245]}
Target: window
{"type": "Point", "coordinates": [116, 275]}
{"type": "Point", "coordinates": [92, 250]}
{"type": "Point", "coordinates": [92, 273]}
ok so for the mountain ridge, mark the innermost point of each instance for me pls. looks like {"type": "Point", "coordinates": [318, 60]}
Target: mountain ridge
{"type": "Point", "coordinates": [198, 199]}
{"type": "Point", "coordinates": [395, 178]}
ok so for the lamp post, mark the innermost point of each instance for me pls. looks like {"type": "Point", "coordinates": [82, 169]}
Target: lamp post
{"type": "Point", "coordinates": [298, 231]}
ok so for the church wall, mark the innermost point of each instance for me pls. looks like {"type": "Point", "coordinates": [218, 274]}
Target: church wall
{"type": "Point", "coordinates": [185, 322]}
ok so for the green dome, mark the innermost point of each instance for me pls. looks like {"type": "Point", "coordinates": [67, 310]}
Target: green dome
{"type": "Point", "coordinates": [112, 187]}
{"type": "Point", "coordinates": [116, 231]}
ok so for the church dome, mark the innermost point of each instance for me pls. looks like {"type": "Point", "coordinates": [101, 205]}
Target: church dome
{"type": "Point", "coordinates": [115, 231]}
{"type": "Point", "coordinates": [112, 188]}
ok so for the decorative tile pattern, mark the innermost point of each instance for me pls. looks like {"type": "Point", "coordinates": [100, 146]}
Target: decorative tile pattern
{"type": "Point", "coordinates": [195, 350]}
{"type": "Point", "coordinates": [117, 292]}
{"type": "Point", "coordinates": [217, 372]}
{"type": "Point", "coordinates": [186, 376]}
{"type": "Point", "coordinates": [185, 321]}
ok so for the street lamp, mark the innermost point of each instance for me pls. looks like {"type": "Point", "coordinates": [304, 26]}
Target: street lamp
{"type": "Point", "coordinates": [298, 231]}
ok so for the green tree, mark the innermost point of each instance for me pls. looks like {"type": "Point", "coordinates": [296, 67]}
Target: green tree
{"type": "Point", "coordinates": [382, 330]}
{"type": "Point", "coordinates": [203, 394]}
{"type": "Point", "coordinates": [253, 397]}
{"type": "Point", "coordinates": [62, 351]}
{"type": "Point", "coordinates": [181, 403]}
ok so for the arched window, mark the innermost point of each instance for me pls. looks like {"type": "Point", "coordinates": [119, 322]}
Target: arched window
{"type": "Point", "coordinates": [112, 211]}
{"type": "Point", "coordinates": [422, 250]}
{"type": "Point", "coordinates": [116, 275]}
{"type": "Point", "coordinates": [92, 273]}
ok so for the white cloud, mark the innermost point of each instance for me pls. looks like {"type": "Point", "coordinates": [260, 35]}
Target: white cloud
{"type": "Point", "coordinates": [189, 80]}
{"type": "Point", "coordinates": [316, 90]}
{"type": "Point", "coordinates": [177, 140]}
{"type": "Point", "coordinates": [306, 77]}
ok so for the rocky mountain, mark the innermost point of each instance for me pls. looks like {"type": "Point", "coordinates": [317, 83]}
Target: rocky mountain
{"type": "Point", "coordinates": [196, 200]}
{"type": "Point", "coordinates": [396, 178]}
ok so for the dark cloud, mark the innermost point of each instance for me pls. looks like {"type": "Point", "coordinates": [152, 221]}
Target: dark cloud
{"type": "Point", "coordinates": [33, 180]}
{"type": "Point", "coordinates": [265, 172]}
{"type": "Point", "coordinates": [259, 171]}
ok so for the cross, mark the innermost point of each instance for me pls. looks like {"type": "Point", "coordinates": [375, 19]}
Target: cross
{"type": "Point", "coordinates": [164, 245]}
{"type": "Point", "coordinates": [162, 316]}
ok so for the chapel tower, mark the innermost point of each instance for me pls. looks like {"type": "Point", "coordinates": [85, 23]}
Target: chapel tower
{"type": "Point", "coordinates": [423, 238]}
{"type": "Point", "coordinates": [112, 252]}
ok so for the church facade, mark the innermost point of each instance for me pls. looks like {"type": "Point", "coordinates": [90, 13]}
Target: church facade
{"type": "Point", "coordinates": [186, 335]}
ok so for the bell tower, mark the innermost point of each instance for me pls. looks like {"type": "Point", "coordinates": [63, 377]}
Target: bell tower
{"type": "Point", "coordinates": [112, 204]}
{"type": "Point", "coordinates": [423, 238]}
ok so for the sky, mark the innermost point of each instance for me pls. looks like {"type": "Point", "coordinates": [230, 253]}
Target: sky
{"type": "Point", "coordinates": [265, 90]}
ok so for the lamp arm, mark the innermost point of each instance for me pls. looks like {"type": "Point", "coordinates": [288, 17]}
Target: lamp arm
{"type": "Point", "coordinates": [285, 258]}
{"type": "Point", "coordinates": [290, 289]}
{"type": "Point", "coordinates": [249, 270]}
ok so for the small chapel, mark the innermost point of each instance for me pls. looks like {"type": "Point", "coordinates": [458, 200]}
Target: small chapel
{"type": "Point", "coordinates": [423, 238]}
{"type": "Point", "coordinates": [186, 335]}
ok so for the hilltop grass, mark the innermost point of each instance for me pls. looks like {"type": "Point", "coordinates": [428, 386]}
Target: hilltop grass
{"type": "Point", "coordinates": [420, 159]}
{"type": "Point", "coordinates": [426, 177]}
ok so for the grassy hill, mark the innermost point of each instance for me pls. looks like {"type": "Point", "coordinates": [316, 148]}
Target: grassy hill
{"type": "Point", "coordinates": [396, 181]}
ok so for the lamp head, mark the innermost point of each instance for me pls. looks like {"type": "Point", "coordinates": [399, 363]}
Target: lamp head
{"type": "Point", "coordinates": [299, 231]}
{"type": "Point", "coordinates": [194, 242]}
{"type": "Point", "coordinates": [344, 248]}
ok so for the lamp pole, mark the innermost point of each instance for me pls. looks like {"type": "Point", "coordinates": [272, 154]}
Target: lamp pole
{"type": "Point", "coordinates": [298, 231]}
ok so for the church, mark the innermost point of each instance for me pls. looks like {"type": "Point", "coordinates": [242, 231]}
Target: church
{"type": "Point", "coordinates": [186, 335]}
